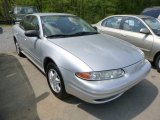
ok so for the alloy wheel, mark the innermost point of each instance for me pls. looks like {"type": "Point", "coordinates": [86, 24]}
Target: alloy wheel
{"type": "Point", "coordinates": [54, 81]}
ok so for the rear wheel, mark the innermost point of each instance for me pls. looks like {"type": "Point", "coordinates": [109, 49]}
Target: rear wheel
{"type": "Point", "coordinates": [18, 49]}
{"type": "Point", "coordinates": [157, 63]}
{"type": "Point", "coordinates": [55, 81]}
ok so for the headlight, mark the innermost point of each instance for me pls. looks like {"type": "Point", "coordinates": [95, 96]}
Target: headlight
{"type": "Point", "coordinates": [102, 75]}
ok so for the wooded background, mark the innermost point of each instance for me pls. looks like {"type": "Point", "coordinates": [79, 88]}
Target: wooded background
{"type": "Point", "coordinates": [90, 10]}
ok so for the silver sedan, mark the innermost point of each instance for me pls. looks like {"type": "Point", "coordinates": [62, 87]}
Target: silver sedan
{"type": "Point", "coordinates": [141, 31]}
{"type": "Point", "coordinates": [77, 59]}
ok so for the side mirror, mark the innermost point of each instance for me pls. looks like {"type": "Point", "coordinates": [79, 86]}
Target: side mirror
{"type": "Point", "coordinates": [95, 28]}
{"type": "Point", "coordinates": [32, 33]}
{"type": "Point", "coordinates": [144, 30]}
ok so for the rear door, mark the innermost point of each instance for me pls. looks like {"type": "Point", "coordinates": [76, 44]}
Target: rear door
{"type": "Point", "coordinates": [20, 34]}
{"type": "Point", "coordinates": [32, 44]}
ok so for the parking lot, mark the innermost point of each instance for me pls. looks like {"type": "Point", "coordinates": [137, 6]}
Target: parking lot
{"type": "Point", "coordinates": [25, 95]}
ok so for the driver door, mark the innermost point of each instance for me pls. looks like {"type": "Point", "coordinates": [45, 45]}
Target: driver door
{"type": "Point", "coordinates": [130, 32]}
{"type": "Point", "coordinates": [33, 43]}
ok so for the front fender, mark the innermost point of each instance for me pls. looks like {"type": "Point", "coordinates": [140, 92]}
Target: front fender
{"type": "Point", "coordinates": [63, 58]}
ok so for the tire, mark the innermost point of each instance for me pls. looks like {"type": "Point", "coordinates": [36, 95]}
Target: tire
{"type": "Point", "coordinates": [18, 49]}
{"type": "Point", "coordinates": [55, 81]}
{"type": "Point", "coordinates": [157, 63]}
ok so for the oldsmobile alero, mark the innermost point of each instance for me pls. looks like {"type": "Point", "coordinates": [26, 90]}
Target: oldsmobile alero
{"type": "Point", "coordinates": [78, 60]}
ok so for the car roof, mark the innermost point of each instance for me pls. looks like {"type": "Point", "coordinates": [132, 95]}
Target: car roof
{"type": "Point", "coordinates": [56, 14]}
{"type": "Point", "coordinates": [138, 16]}
{"type": "Point", "coordinates": [142, 16]}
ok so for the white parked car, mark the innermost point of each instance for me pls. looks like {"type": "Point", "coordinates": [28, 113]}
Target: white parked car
{"type": "Point", "coordinates": [141, 31]}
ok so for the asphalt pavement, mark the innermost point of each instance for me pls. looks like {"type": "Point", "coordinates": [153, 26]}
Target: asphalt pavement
{"type": "Point", "coordinates": [25, 95]}
{"type": "Point", "coordinates": [6, 39]}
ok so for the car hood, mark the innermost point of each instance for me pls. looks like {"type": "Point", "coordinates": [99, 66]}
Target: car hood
{"type": "Point", "coordinates": [101, 52]}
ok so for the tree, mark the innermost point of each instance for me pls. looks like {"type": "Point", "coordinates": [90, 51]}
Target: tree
{"type": "Point", "coordinates": [90, 10]}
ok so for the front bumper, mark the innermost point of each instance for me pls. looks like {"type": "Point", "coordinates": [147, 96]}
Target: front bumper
{"type": "Point", "coordinates": [106, 90]}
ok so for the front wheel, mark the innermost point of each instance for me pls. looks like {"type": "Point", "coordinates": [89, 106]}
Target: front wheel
{"type": "Point", "coordinates": [157, 63]}
{"type": "Point", "coordinates": [55, 81]}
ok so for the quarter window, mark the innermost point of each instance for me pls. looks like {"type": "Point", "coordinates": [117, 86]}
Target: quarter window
{"type": "Point", "coordinates": [113, 22]}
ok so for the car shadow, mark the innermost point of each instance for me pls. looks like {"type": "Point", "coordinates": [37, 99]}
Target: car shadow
{"type": "Point", "coordinates": [17, 98]}
{"type": "Point", "coordinates": [1, 30]}
{"type": "Point", "coordinates": [128, 106]}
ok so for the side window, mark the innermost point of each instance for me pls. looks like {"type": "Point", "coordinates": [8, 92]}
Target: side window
{"type": "Point", "coordinates": [23, 22]}
{"type": "Point", "coordinates": [132, 24]}
{"type": "Point", "coordinates": [113, 22]}
{"type": "Point", "coordinates": [34, 25]}
{"type": "Point", "coordinates": [30, 23]}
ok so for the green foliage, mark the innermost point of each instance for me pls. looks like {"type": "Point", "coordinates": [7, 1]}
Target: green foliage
{"type": "Point", "coordinates": [90, 10]}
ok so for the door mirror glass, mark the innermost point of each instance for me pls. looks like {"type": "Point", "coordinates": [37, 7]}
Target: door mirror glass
{"type": "Point", "coordinates": [144, 30]}
{"type": "Point", "coordinates": [32, 33]}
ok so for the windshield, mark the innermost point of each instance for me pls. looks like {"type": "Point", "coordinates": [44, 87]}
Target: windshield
{"type": "Point", "coordinates": [65, 26]}
{"type": "Point", "coordinates": [154, 24]}
{"type": "Point", "coordinates": [25, 10]}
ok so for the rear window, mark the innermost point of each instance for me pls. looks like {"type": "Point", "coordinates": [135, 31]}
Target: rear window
{"type": "Point", "coordinates": [25, 10]}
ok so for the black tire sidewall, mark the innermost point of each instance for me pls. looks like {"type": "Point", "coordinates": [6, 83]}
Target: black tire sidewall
{"type": "Point", "coordinates": [156, 63]}
{"type": "Point", "coordinates": [20, 53]}
{"type": "Point", "coordinates": [62, 94]}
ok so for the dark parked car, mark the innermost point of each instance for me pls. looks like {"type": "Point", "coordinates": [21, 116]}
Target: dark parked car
{"type": "Point", "coordinates": [152, 11]}
{"type": "Point", "coordinates": [18, 12]}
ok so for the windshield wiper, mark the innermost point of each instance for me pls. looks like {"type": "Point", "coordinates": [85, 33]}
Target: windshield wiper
{"type": "Point", "coordinates": [83, 33]}
{"type": "Point", "coordinates": [71, 35]}
{"type": "Point", "coordinates": [57, 36]}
